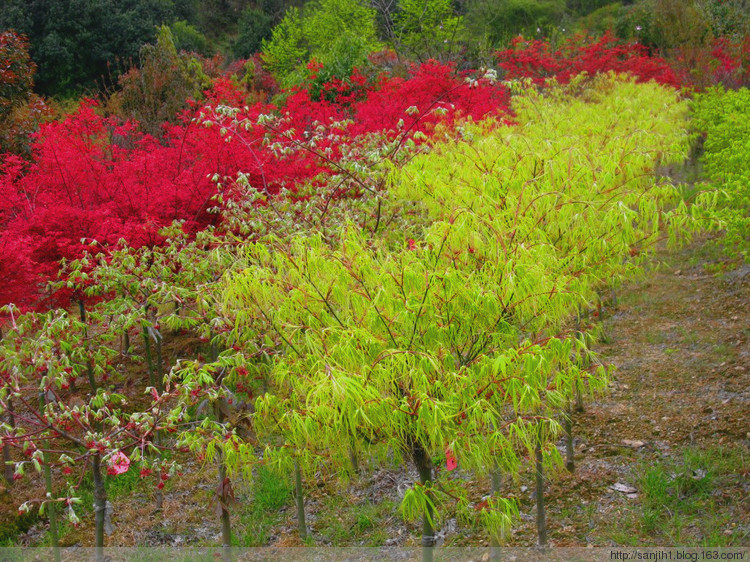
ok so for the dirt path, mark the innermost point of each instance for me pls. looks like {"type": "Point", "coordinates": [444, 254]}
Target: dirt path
{"type": "Point", "coordinates": [675, 426]}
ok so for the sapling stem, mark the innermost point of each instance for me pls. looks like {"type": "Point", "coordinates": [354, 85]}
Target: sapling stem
{"type": "Point", "coordinates": [89, 366]}
{"type": "Point", "coordinates": [496, 481]}
{"type": "Point", "coordinates": [580, 334]}
{"type": "Point", "coordinates": [579, 401]}
{"type": "Point", "coordinates": [52, 505]}
{"type": "Point", "coordinates": [159, 496]}
{"type": "Point", "coordinates": [226, 524]}
{"type": "Point", "coordinates": [541, 517]}
{"type": "Point", "coordinates": [8, 468]}
{"type": "Point", "coordinates": [299, 499]}
{"type": "Point", "coordinates": [100, 505]}
{"type": "Point", "coordinates": [568, 430]}
{"type": "Point", "coordinates": [154, 380]}
{"type": "Point", "coordinates": [354, 458]}
{"type": "Point", "coordinates": [159, 375]}
{"type": "Point", "coordinates": [424, 467]}
{"type": "Point", "coordinates": [149, 359]}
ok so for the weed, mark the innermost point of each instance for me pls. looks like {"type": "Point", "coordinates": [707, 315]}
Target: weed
{"type": "Point", "coordinates": [687, 336]}
{"type": "Point", "coordinates": [656, 337]}
{"type": "Point", "coordinates": [678, 497]}
{"type": "Point", "coordinates": [270, 492]}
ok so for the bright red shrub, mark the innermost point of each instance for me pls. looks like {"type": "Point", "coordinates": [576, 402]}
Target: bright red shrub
{"type": "Point", "coordinates": [537, 60]}
{"type": "Point", "coordinates": [91, 177]}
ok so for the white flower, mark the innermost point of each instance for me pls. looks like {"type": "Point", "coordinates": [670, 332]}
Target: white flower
{"type": "Point", "coordinates": [638, 28]}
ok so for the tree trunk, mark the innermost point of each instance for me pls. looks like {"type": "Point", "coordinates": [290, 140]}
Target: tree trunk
{"type": "Point", "coordinates": [152, 381]}
{"type": "Point", "coordinates": [52, 505]}
{"type": "Point", "coordinates": [149, 360]}
{"type": "Point", "coordinates": [568, 429]}
{"type": "Point", "coordinates": [89, 366]}
{"type": "Point", "coordinates": [6, 445]}
{"type": "Point", "coordinates": [299, 498]}
{"type": "Point", "coordinates": [579, 401]}
{"type": "Point", "coordinates": [100, 506]}
{"type": "Point", "coordinates": [354, 458]}
{"type": "Point", "coordinates": [423, 462]}
{"type": "Point", "coordinates": [541, 517]}
{"type": "Point", "coordinates": [226, 524]}
{"type": "Point", "coordinates": [496, 483]}
{"type": "Point", "coordinates": [159, 376]}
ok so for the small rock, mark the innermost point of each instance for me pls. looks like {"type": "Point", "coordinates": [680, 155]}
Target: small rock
{"type": "Point", "coordinates": [624, 488]}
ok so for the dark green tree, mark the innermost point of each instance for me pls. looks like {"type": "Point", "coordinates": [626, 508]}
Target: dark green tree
{"type": "Point", "coordinates": [496, 22]}
{"type": "Point", "coordinates": [157, 91]}
{"type": "Point", "coordinates": [255, 25]}
{"type": "Point", "coordinates": [76, 42]}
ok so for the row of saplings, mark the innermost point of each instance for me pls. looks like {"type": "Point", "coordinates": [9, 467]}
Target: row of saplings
{"type": "Point", "coordinates": [444, 332]}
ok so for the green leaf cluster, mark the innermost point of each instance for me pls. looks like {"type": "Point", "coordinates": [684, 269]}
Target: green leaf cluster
{"type": "Point", "coordinates": [427, 29]}
{"type": "Point", "coordinates": [459, 340]}
{"type": "Point", "coordinates": [331, 31]}
{"type": "Point", "coordinates": [722, 118]}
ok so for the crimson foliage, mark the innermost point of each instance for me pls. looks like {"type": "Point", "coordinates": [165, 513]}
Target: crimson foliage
{"type": "Point", "coordinates": [538, 60]}
{"type": "Point", "coordinates": [92, 177]}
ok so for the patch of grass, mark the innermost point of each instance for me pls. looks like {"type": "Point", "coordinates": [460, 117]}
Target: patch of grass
{"type": "Point", "coordinates": [689, 501]}
{"type": "Point", "coordinates": [622, 533]}
{"type": "Point", "coordinates": [342, 523]}
{"type": "Point", "coordinates": [12, 527]}
{"type": "Point", "coordinates": [722, 351]}
{"type": "Point", "coordinates": [269, 493]}
{"type": "Point", "coordinates": [687, 336]}
{"type": "Point", "coordinates": [656, 337]}
{"type": "Point", "coordinates": [679, 503]}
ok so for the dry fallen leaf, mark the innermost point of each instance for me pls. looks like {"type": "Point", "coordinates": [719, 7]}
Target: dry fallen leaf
{"type": "Point", "coordinates": [633, 443]}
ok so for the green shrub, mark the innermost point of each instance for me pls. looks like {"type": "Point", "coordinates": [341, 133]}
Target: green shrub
{"type": "Point", "coordinates": [723, 119]}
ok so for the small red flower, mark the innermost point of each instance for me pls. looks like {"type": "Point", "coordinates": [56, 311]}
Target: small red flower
{"type": "Point", "coordinates": [450, 460]}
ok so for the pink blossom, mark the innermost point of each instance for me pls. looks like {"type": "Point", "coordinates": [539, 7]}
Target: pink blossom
{"type": "Point", "coordinates": [119, 463]}
{"type": "Point", "coordinates": [450, 460]}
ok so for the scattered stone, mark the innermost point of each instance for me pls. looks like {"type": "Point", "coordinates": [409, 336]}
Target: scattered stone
{"type": "Point", "coordinates": [624, 488]}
